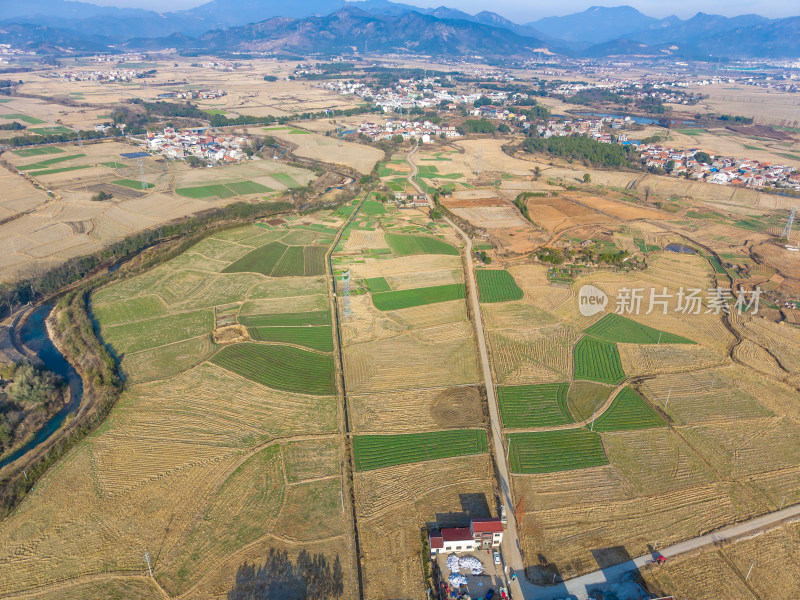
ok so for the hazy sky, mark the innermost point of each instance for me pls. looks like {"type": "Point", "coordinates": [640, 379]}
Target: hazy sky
{"type": "Point", "coordinates": [525, 10]}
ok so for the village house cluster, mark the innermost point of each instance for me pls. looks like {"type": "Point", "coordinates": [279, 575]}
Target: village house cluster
{"type": "Point", "coordinates": [721, 170]}
{"type": "Point", "coordinates": [114, 75]}
{"type": "Point", "coordinates": [424, 131]}
{"type": "Point", "coordinates": [195, 142]}
{"type": "Point", "coordinates": [194, 95]}
{"type": "Point", "coordinates": [595, 128]}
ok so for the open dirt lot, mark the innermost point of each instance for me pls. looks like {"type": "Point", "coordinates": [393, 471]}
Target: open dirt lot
{"type": "Point", "coordinates": [326, 148]}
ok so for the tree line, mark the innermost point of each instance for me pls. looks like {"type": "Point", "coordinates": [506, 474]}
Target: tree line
{"type": "Point", "coordinates": [579, 147]}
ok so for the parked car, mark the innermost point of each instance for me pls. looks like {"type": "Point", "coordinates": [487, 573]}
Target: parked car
{"type": "Point", "coordinates": [489, 595]}
{"type": "Point", "coordinates": [496, 557]}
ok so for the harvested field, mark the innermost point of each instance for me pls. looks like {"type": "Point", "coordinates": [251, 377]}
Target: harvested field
{"type": "Point", "coordinates": [651, 359]}
{"type": "Point", "coordinates": [656, 461]}
{"type": "Point", "coordinates": [492, 217]}
{"type": "Point", "coordinates": [584, 398]}
{"type": "Point", "coordinates": [142, 335]}
{"type": "Point", "coordinates": [523, 356]}
{"type": "Point", "coordinates": [319, 147]}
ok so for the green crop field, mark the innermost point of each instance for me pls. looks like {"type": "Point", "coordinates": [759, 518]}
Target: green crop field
{"type": "Point", "coordinates": [373, 208]}
{"type": "Point", "coordinates": [46, 163]}
{"type": "Point", "coordinates": [628, 411]}
{"type": "Point", "coordinates": [316, 338]}
{"type": "Point", "coordinates": [377, 285]}
{"type": "Point", "coordinates": [285, 179]}
{"type": "Point", "coordinates": [319, 317]}
{"type": "Point", "coordinates": [378, 451]}
{"type": "Point", "coordinates": [597, 360]}
{"type": "Point", "coordinates": [406, 245]}
{"type": "Point", "coordinates": [61, 170]}
{"type": "Point", "coordinates": [56, 129]}
{"type": "Point", "coordinates": [280, 367]}
{"type": "Point", "coordinates": [290, 263]}
{"type": "Point", "coordinates": [615, 328]}
{"type": "Point", "coordinates": [27, 119]}
{"type": "Point", "coordinates": [242, 188]}
{"type": "Point", "coordinates": [114, 165]}
{"type": "Point", "coordinates": [551, 451]}
{"type": "Point", "coordinates": [132, 183]}
{"type": "Point", "coordinates": [125, 311]}
{"type": "Point", "coordinates": [28, 152]}
{"type": "Point", "coordinates": [205, 191]}
{"type": "Point", "coordinates": [417, 297]}
{"type": "Point", "coordinates": [261, 260]}
{"type": "Point", "coordinates": [497, 286]}
{"type": "Point", "coordinates": [314, 260]}
{"type": "Point", "coordinates": [534, 405]}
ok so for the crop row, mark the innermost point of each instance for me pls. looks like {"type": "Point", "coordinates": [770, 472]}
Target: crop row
{"type": "Point", "coordinates": [377, 451]}
{"type": "Point", "coordinates": [597, 360]}
{"type": "Point", "coordinates": [279, 260]}
{"type": "Point", "coordinates": [628, 411]}
{"type": "Point", "coordinates": [418, 296]}
{"type": "Point", "coordinates": [280, 367]}
{"type": "Point", "coordinates": [615, 328]}
{"type": "Point", "coordinates": [406, 245]}
{"type": "Point", "coordinates": [316, 338]}
{"type": "Point", "coordinates": [534, 405]}
{"type": "Point", "coordinates": [316, 317]}
{"type": "Point", "coordinates": [497, 286]}
{"type": "Point", "coordinates": [550, 451]}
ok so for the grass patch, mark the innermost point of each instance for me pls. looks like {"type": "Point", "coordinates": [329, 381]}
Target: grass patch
{"type": "Point", "coordinates": [628, 411]}
{"type": "Point", "coordinates": [377, 285]}
{"type": "Point", "coordinates": [597, 360]}
{"type": "Point", "coordinates": [615, 328]}
{"type": "Point", "coordinates": [26, 118]}
{"type": "Point", "coordinates": [419, 296]}
{"type": "Point", "coordinates": [312, 318]}
{"type": "Point", "coordinates": [691, 131]}
{"type": "Point", "coordinates": [585, 397]}
{"type": "Point", "coordinates": [51, 130]}
{"type": "Point", "coordinates": [61, 170]}
{"type": "Point", "coordinates": [261, 260]}
{"type": "Point", "coordinates": [316, 338]}
{"type": "Point", "coordinates": [242, 188]}
{"type": "Point", "coordinates": [46, 163]}
{"type": "Point", "coordinates": [285, 179]}
{"type": "Point", "coordinates": [534, 405]}
{"type": "Point", "coordinates": [27, 152]}
{"type": "Point", "coordinates": [372, 208]}
{"type": "Point", "coordinates": [406, 245]}
{"type": "Point", "coordinates": [280, 367]}
{"type": "Point", "coordinates": [497, 286]}
{"type": "Point", "coordinates": [133, 184]}
{"type": "Point", "coordinates": [377, 451]}
{"type": "Point", "coordinates": [552, 451]}
{"type": "Point", "coordinates": [205, 191]}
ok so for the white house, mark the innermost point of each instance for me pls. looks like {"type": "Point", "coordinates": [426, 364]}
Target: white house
{"type": "Point", "coordinates": [482, 534]}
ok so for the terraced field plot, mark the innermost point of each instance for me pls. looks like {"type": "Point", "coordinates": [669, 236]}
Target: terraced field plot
{"type": "Point", "coordinates": [39, 151]}
{"type": "Point", "coordinates": [312, 318]}
{"type": "Point", "coordinates": [373, 208]}
{"type": "Point", "coordinates": [226, 190]}
{"type": "Point", "coordinates": [551, 451]}
{"type": "Point", "coordinates": [534, 405]}
{"type": "Point", "coordinates": [279, 260]}
{"type": "Point", "coordinates": [59, 170]}
{"type": "Point", "coordinates": [406, 245]}
{"type": "Point", "coordinates": [316, 338]}
{"type": "Point", "coordinates": [133, 184]}
{"type": "Point", "coordinates": [399, 299]}
{"type": "Point", "coordinates": [628, 411]}
{"type": "Point", "coordinates": [378, 451]}
{"type": "Point", "coordinates": [280, 367]}
{"type": "Point", "coordinates": [615, 328]}
{"type": "Point", "coordinates": [141, 335]}
{"type": "Point", "coordinates": [377, 285]}
{"type": "Point", "coordinates": [46, 163]}
{"type": "Point", "coordinates": [597, 360]}
{"type": "Point", "coordinates": [497, 286]}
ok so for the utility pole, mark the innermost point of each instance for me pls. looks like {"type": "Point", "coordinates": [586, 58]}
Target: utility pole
{"type": "Point", "coordinates": [669, 393]}
{"type": "Point", "coordinates": [746, 577]}
{"type": "Point", "coordinates": [593, 416]}
{"type": "Point", "coordinates": [147, 560]}
{"type": "Point", "coordinates": [659, 338]}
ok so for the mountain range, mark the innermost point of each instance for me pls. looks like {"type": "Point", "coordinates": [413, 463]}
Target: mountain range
{"type": "Point", "coordinates": [337, 26]}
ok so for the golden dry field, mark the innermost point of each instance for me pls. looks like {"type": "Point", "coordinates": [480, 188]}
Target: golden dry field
{"type": "Point", "coordinates": [201, 464]}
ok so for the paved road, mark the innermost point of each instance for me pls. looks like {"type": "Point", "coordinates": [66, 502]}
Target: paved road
{"type": "Point", "coordinates": [511, 548]}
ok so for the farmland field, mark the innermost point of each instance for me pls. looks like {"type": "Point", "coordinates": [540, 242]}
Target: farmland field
{"type": "Point", "coordinates": [534, 405]}
{"type": "Point", "coordinates": [261, 260]}
{"type": "Point", "coordinates": [377, 284]}
{"type": "Point", "coordinates": [280, 367]}
{"type": "Point", "coordinates": [615, 328]}
{"type": "Point", "coordinates": [26, 152]}
{"type": "Point", "coordinates": [133, 184]}
{"type": "Point", "coordinates": [46, 163]}
{"type": "Point", "coordinates": [418, 297]}
{"type": "Point", "coordinates": [551, 451]}
{"type": "Point", "coordinates": [406, 245]}
{"type": "Point", "coordinates": [288, 319]}
{"type": "Point", "coordinates": [628, 411]}
{"type": "Point", "coordinates": [316, 338]}
{"type": "Point", "coordinates": [497, 286]}
{"type": "Point", "coordinates": [378, 451]}
{"type": "Point", "coordinates": [597, 360]}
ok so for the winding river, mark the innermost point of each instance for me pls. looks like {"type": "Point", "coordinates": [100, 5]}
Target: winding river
{"type": "Point", "coordinates": [34, 335]}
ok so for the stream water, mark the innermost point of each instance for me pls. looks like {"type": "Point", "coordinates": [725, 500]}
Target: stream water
{"type": "Point", "coordinates": [34, 335]}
